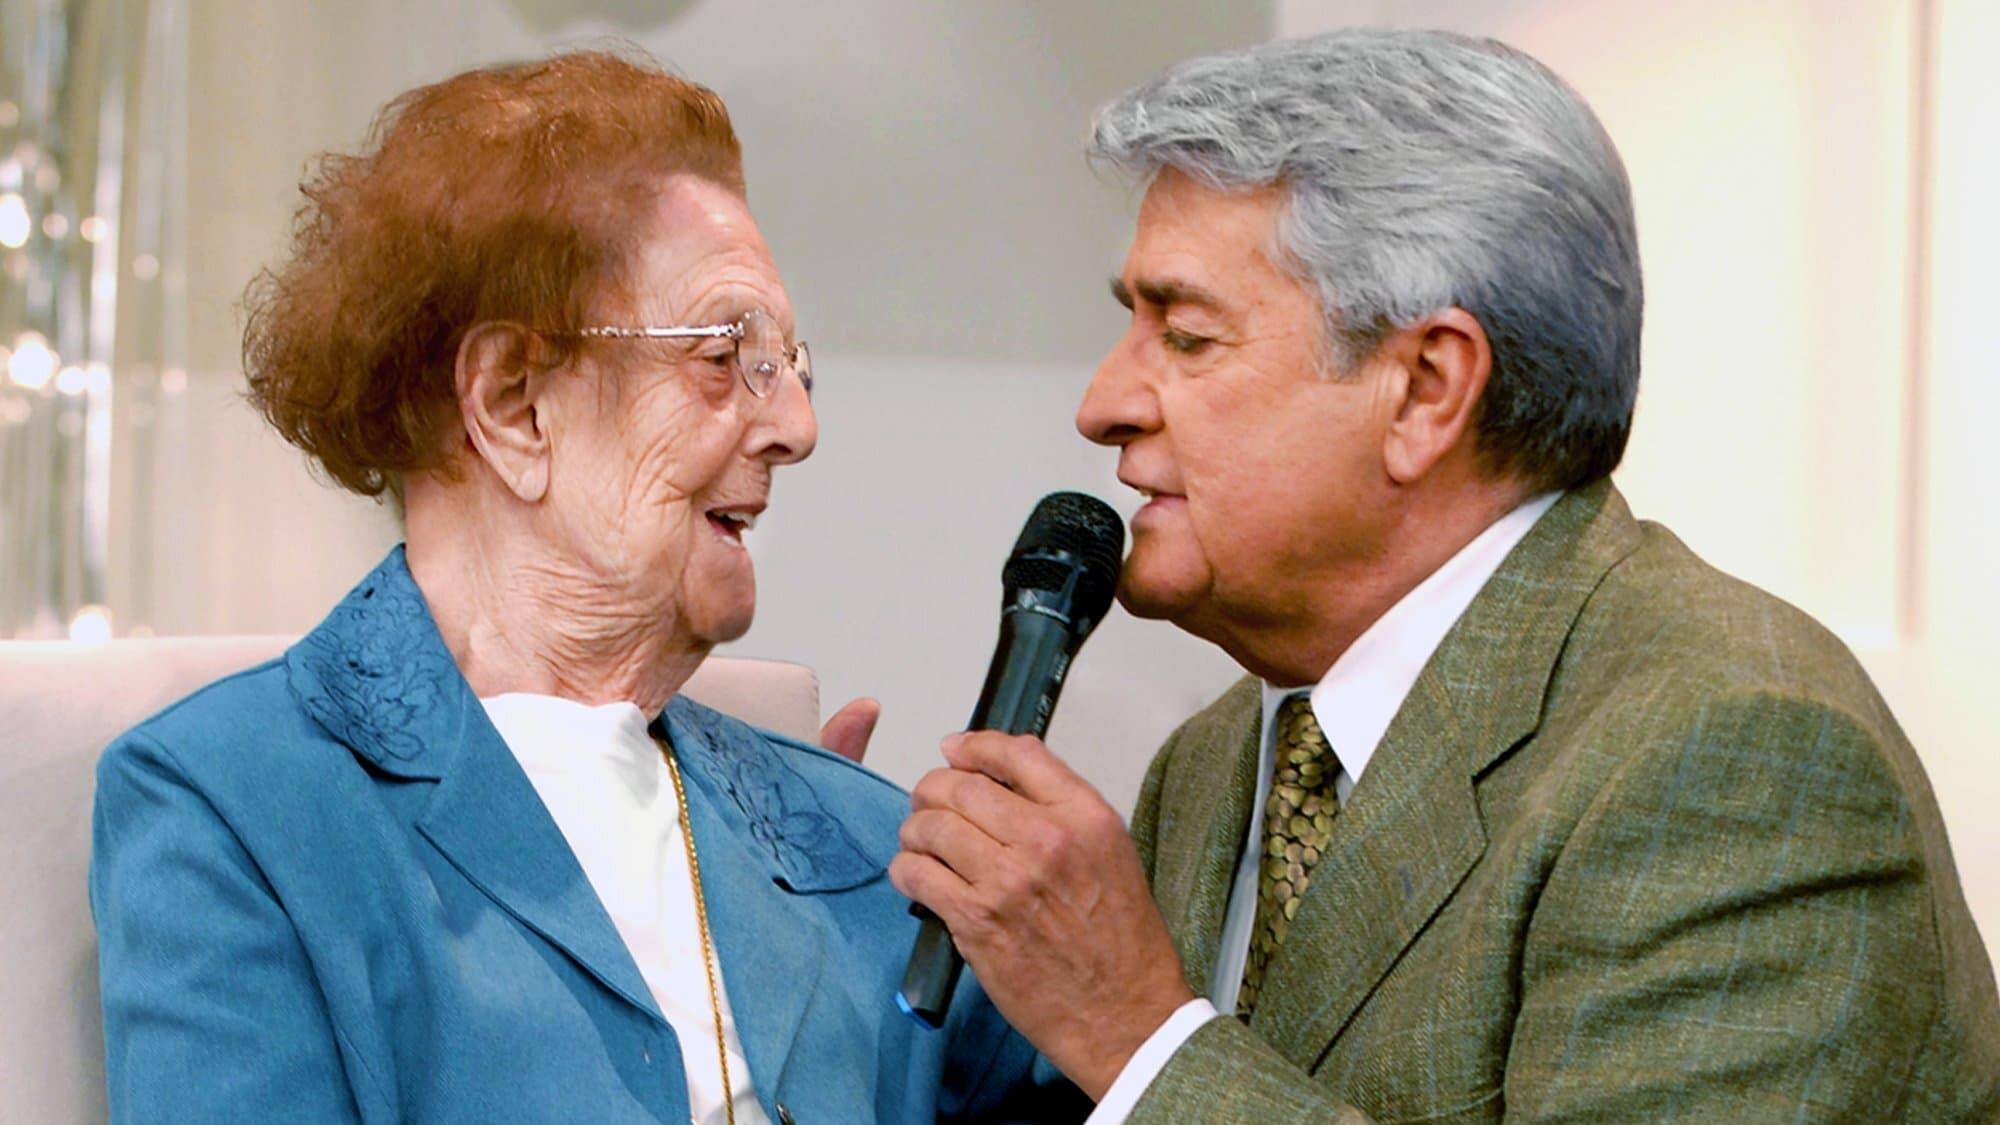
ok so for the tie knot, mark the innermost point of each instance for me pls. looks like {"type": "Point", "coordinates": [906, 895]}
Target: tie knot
{"type": "Point", "coordinates": [1302, 746]}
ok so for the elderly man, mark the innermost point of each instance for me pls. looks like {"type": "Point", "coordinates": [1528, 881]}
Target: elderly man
{"type": "Point", "coordinates": [1522, 811]}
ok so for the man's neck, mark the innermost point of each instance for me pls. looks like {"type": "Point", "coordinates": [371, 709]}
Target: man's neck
{"type": "Point", "coordinates": [1295, 648]}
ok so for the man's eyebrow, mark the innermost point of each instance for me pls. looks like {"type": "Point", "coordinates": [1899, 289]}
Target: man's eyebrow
{"type": "Point", "coordinates": [1164, 293]}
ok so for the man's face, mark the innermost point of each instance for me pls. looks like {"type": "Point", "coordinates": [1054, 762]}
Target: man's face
{"type": "Point", "coordinates": [1264, 471]}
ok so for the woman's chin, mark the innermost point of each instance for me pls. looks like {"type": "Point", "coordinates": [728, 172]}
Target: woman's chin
{"type": "Point", "coordinates": [728, 628]}
{"type": "Point", "coordinates": [718, 594]}
{"type": "Point", "coordinates": [720, 610]}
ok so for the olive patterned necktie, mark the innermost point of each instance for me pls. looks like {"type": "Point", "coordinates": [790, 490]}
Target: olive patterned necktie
{"type": "Point", "coordinates": [1298, 820]}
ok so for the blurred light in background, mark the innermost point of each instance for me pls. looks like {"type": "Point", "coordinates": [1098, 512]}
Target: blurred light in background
{"type": "Point", "coordinates": [86, 94]}
{"type": "Point", "coordinates": [32, 363]}
{"type": "Point", "coordinates": [91, 625]}
{"type": "Point", "coordinates": [14, 221]}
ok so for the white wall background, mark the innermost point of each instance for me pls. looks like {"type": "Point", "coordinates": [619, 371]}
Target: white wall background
{"type": "Point", "coordinates": [1944, 687]}
{"type": "Point", "coordinates": [1812, 179]}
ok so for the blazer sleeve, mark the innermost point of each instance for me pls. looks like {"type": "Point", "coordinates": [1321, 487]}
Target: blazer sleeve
{"type": "Point", "coordinates": [211, 1010]}
{"type": "Point", "coordinates": [1741, 928]}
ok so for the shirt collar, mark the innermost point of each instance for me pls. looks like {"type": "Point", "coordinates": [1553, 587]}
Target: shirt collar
{"type": "Point", "coordinates": [1356, 699]}
{"type": "Point", "coordinates": [603, 746]}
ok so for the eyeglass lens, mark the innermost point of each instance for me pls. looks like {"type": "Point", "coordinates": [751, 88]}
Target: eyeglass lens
{"type": "Point", "coordinates": [764, 357]}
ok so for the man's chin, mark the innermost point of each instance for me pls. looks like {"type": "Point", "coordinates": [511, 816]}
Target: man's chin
{"type": "Point", "coordinates": [1155, 601]}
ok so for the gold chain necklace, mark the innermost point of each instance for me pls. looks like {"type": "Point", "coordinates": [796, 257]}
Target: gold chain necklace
{"type": "Point", "coordinates": [707, 945]}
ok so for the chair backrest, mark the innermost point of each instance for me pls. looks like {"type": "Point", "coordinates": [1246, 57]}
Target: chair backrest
{"type": "Point", "coordinates": [60, 704]}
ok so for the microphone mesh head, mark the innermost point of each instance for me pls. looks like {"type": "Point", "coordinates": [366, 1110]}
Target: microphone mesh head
{"type": "Point", "coordinates": [1068, 532]}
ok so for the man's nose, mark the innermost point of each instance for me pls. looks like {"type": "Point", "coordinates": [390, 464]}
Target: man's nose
{"type": "Point", "coordinates": [1119, 405]}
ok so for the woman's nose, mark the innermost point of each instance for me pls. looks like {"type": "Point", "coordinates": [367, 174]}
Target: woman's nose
{"type": "Point", "coordinates": [788, 429]}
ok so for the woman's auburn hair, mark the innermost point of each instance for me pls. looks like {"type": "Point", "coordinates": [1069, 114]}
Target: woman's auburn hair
{"type": "Point", "coordinates": [509, 192]}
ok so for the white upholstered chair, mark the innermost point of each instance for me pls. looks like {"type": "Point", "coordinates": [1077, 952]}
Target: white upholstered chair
{"type": "Point", "coordinates": [59, 705]}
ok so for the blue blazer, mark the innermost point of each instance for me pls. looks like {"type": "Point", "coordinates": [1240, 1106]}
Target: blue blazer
{"type": "Point", "coordinates": [325, 891]}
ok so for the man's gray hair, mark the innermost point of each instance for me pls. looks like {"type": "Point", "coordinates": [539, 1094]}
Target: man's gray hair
{"type": "Point", "coordinates": [1425, 170]}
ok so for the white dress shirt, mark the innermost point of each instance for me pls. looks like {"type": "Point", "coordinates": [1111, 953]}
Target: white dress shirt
{"type": "Point", "coordinates": [1354, 703]}
{"type": "Point", "coordinates": [605, 781]}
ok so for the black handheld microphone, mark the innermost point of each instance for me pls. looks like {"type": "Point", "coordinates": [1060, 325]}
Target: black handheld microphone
{"type": "Point", "coordinates": [1055, 588]}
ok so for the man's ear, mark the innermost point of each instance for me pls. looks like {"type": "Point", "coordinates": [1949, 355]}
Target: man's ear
{"type": "Point", "coordinates": [498, 386]}
{"type": "Point", "coordinates": [1445, 360]}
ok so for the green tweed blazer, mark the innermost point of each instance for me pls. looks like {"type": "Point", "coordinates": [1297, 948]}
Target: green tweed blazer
{"type": "Point", "coordinates": [1643, 844]}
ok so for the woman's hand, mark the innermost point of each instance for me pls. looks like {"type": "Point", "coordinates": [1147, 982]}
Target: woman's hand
{"type": "Point", "coordinates": [848, 731]}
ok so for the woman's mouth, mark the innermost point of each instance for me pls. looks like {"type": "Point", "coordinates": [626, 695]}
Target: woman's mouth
{"type": "Point", "coordinates": [731, 523]}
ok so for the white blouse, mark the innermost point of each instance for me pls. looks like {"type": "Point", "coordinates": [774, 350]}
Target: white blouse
{"type": "Point", "coordinates": [605, 781]}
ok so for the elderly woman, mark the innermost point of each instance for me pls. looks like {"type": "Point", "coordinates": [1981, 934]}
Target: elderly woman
{"type": "Point", "coordinates": [462, 854]}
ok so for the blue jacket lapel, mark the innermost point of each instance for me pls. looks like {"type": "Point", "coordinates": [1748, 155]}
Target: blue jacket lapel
{"type": "Point", "coordinates": [488, 820]}
{"type": "Point", "coordinates": [764, 838]}
{"type": "Point", "coordinates": [378, 677]}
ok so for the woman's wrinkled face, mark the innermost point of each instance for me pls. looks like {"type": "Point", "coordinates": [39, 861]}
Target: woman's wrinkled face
{"type": "Point", "coordinates": [661, 457]}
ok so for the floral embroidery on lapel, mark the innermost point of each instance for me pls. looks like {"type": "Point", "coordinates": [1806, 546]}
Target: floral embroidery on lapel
{"type": "Point", "coordinates": [375, 673]}
{"type": "Point", "coordinates": [812, 847]}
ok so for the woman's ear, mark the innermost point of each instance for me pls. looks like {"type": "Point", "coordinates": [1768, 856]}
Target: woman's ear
{"type": "Point", "coordinates": [1446, 360]}
{"type": "Point", "coordinates": [498, 386]}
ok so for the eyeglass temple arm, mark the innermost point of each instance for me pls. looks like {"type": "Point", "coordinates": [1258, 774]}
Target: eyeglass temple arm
{"type": "Point", "coordinates": [709, 331]}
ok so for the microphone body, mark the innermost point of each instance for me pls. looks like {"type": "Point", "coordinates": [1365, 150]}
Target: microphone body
{"type": "Point", "coordinates": [1037, 643]}
{"type": "Point", "coordinates": [1022, 683]}
{"type": "Point", "coordinates": [1058, 585]}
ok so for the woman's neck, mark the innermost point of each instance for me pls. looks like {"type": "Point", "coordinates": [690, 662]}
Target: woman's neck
{"type": "Point", "coordinates": [518, 617]}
